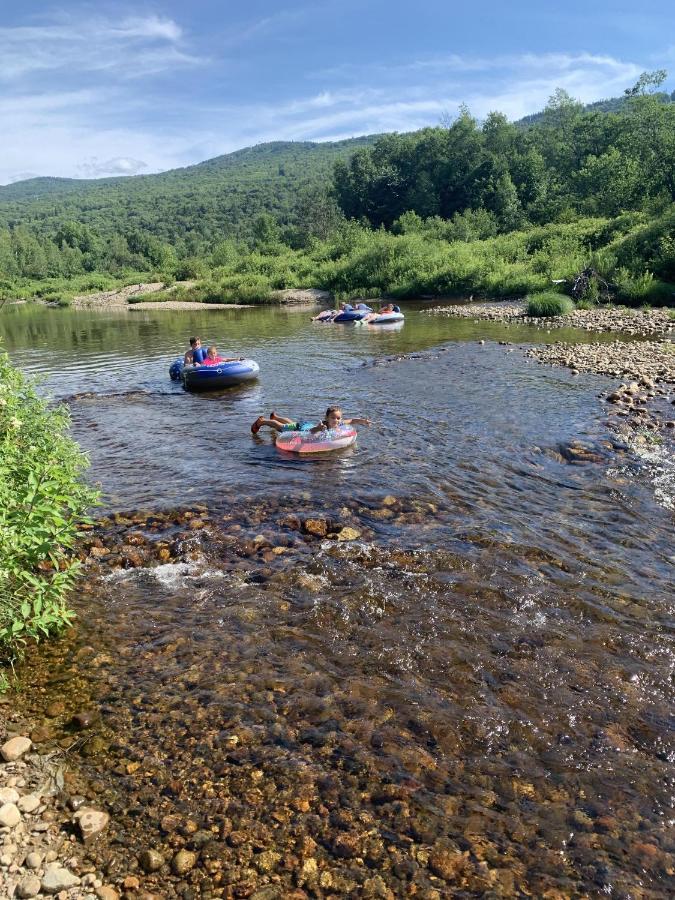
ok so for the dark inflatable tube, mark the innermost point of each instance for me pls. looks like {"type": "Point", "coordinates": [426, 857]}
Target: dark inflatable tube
{"type": "Point", "coordinates": [353, 313]}
{"type": "Point", "coordinates": [212, 378]}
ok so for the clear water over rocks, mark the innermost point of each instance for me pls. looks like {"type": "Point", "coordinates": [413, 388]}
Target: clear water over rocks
{"type": "Point", "coordinates": [467, 694]}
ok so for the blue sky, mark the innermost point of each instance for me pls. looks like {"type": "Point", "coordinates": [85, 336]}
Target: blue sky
{"type": "Point", "coordinates": [114, 88]}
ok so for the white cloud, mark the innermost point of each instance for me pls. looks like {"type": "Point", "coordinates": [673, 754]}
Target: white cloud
{"type": "Point", "coordinates": [90, 45]}
{"type": "Point", "coordinates": [111, 127]}
{"type": "Point", "coordinates": [394, 100]}
{"type": "Point", "coordinates": [119, 165]}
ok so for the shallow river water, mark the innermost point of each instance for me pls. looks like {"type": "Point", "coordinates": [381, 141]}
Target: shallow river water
{"type": "Point", "coordinates": [471, 698]}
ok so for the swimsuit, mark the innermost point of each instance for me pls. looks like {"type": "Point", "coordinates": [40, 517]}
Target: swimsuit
{"type": "Point", "coordinates": [297, 426]}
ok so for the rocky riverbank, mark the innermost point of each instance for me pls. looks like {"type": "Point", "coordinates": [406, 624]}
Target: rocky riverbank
{"type": "Point", "coordinates": [643, 323]}
{"type": "Point", "coordinates": [186, 304]}
{"type": "Point", "coordinates": [47, 826]}
{"type": "Point", "coordinates": [645, 398]}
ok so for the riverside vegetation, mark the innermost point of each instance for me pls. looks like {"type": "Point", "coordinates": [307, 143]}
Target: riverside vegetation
{"type": "Point", "coordinates": [493, 208]}
{"type": "Point", "coordinates": [42, 502]}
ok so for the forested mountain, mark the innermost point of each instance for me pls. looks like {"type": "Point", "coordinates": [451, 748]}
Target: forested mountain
{"type": "Point", "coordinates": [183, 207]}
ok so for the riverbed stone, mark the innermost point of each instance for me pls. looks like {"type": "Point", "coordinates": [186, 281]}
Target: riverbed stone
{"type": "Point", "coordinates": [34, 860]}
{"type": "Point", "coordinates": [15, 748]}
{"type": "Point", "coordinates": [150, 860]}
{"type": "Point", "coordinates": [348, 534]}
{"type": "Point", "coordinates": [57, 878]}
{"type": "Point", "coordinates": [85, 719]}
{"type": "Point", "coordinates": [28, 887]}
{"type": "Point", "coordinates": [8, 795]}
{"type": "Point", "coordinates": [91, 822]}
{"type": "Point", "coordinates": [315, 527]}
{"type": "Point", "coordinates": [446, 863]}
{"type": "Point", "coordinates": [106, 892]}
{"type": "Point", "coordinates": [183, 862]}
{"type": "Point", "coordinates": [9, 815]}
{"type": "Point", "coordinates": [29, 803]}
{"type": "Point", "coordinates": [41, 734]}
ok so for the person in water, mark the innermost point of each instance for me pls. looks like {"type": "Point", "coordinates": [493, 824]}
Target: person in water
{"type": "Point", "coordinates": [212, 358]}
{"type": "Point", "coordinates": [333, 419]}
{"type": "Point", "coordinates": [196, 354]}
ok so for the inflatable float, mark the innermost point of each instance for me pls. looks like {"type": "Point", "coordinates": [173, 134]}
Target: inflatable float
{"type": "Point", "coordinates": [212, 378]}
{"type": "Point", "coordinates": [385, 318]}
{"type": "Point", "coordinates": [353, 313]}
{"type": "Point", "coordinates": [321, 442]}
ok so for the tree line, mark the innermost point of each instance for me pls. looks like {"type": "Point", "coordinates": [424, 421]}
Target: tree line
{"type": "Point", "coordinates": [287, 215]}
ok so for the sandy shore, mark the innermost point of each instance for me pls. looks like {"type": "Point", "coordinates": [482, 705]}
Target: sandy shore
{"type": "Point", "coordinates": [106, 299]}
{"type": "Point", "coordinates": [120, 298]}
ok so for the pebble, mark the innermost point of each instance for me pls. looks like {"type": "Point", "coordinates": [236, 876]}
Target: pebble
{"type": "Point", "coordinates": [57, 878]}
{"type": "Point", "coordinates": [8, 795]}
{"type": "Point", "coordinates": [107, 893]}
{"type": "Point", "coordinates": [150, 860]}
{"type": "Point", "coordinates": [29, 887]}
{"type": "Point", "coordinates": [348, 534]}
{"type": "Point", "coordinates": [9, 815]}
{"type": "Point", "coordinates": [183, 862]}
{"type": "Point", "coordinates": [15, 748]}
{"type": "Point", "coordinates": [34, 860]}
{"type": "Point", "coordinates": [91, 822]}
{"type": "Point", "coordinates": [29, 803]}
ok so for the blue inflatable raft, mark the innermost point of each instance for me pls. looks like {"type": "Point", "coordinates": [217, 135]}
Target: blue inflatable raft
{"type": "Point", "coordinates": [353, 313]}
{"type": "Point", "coordinates": [213, 378]}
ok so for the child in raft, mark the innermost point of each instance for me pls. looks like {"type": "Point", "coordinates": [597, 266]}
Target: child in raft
{"type": "Point", "coordinates": [212, 358]}
{"type": "Point", "coordinates": [196, 354]}
{"type": "Point", "coordinates": [333, 419]}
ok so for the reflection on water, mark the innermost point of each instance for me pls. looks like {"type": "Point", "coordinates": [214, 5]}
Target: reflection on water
{"type": "Point", "coordinates": [471, 698]}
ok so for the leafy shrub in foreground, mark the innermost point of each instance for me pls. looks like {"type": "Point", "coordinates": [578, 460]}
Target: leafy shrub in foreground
{"type": "Point", "coordinates": [548, 303]}
{"type": "Point", "coordinates": [42, 501]}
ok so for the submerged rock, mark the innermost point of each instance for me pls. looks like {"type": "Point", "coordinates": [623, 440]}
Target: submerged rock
{"type": "Point", "coordinates": [183, 862]}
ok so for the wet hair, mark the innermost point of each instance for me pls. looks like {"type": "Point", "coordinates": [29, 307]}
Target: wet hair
{"type": "Point", "coordinates": [331, 410]}
{"type": "Point", "coordinates": [193, 341]}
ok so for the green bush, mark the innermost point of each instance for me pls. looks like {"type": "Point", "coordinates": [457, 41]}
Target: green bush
{"type": "Point", "coordinates": [42, 501]}
{"type": "Point", "coordinates": [548, 303]}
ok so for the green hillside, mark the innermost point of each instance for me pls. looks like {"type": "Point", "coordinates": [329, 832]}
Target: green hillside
{"type": "Point", "coordinates": [183, 207]}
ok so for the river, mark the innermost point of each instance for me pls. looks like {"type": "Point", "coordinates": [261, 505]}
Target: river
{"type": "Point", "coordinates": [474, 697]}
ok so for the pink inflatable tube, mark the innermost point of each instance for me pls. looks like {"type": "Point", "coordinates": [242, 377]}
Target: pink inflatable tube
{"type": "Point", "coordinates": [321, 442]}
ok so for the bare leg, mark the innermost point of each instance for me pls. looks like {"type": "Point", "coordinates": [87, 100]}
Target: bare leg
{"type": "Point", "coordinates": [261, 420]}
{"type": "Point", "coordinates": [281, 419]}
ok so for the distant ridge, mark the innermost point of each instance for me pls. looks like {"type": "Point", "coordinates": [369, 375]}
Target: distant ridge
{"type": "Point", "coordinates": [614, 104]}
{"type": "Point", "coordinates": [281, 151]}
{"type": "Point", "coordinates": [219, 196]}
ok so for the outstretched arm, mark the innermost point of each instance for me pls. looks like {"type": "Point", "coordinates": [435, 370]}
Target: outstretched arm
{"type": "Point", "coordinates": [357, 420]}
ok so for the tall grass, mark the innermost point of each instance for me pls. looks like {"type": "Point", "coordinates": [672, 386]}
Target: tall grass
{"type": "Point", "coordinates": [547, 304]}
